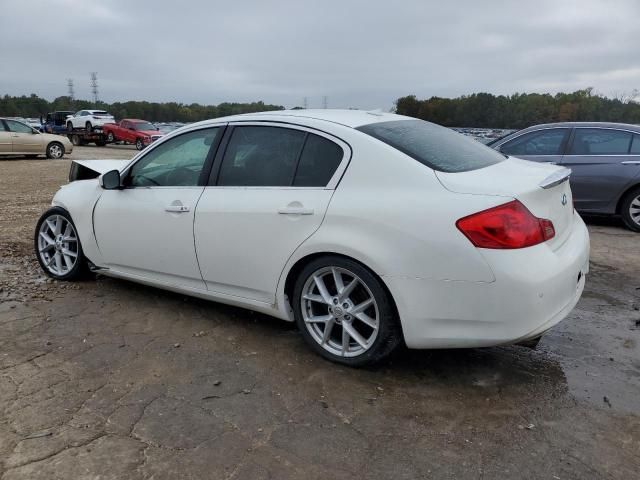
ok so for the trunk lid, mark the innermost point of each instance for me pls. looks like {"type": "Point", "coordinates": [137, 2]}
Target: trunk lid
{"type": "Point", "coordinates": [543, 188]}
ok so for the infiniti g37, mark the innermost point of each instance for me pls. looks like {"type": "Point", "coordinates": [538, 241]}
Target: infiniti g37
{"type": "Point", "coordinates": [366, 229]}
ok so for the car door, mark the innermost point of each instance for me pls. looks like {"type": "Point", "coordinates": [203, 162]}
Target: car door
{"type": "Point", "coordinates": [544, 145]}
{"type": "Point", "coordinates": [5, 139]}
{"type": "Point", "coordinates": [269, 191]}
{"type": "Point", "coordinates": [598, 160]}
{"type": "Point", "coordinates": [24, 139]}
{"type": "Point", "coordinates": [145, 229]}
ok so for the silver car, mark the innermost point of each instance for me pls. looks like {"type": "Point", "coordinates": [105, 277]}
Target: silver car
{"type": "Point", "coordinates": [604, 159]}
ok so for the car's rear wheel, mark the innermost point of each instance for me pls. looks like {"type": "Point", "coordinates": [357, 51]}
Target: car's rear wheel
{"type": "Point", "coordinates": [55, 150]}
{"type": "Point", "coordinates": [69, 127]}
{"type": "Point", "coordinates": [58, 246]}
{"type": "Point", "coordinates": [630, 209]}
{"type": "Point", "coordinates": [139, 144]}
{"type": "Point", "coordinates": [88, 127]}
{"type": "Point", "coordinates": [100, 143]}
{"type": "Point", "coordinates": [344, 312]}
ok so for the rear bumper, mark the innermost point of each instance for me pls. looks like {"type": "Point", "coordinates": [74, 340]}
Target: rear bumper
{"type": "Point", "coordinates": [535, 288]}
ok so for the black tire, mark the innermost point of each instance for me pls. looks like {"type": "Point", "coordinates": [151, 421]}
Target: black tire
{"type": "Point", "coordinates": [632, 197]}
{"type": "Point", "coordinates": [110, 137]}
{"type": "Point", "coordinates": [389, 334]}
{"type": "Point", "coordinates": [80, 266]}
{"type": "Point", "coordinates": [88, 127]}
{"type": "Point", "coordinates": [69, 127]}
{"type": "Point", "coordinates": [101, 143]}
{"type": "Point", "coordinates": [139, 144]}
{"type": "Point", "coordinates": [55, 150]}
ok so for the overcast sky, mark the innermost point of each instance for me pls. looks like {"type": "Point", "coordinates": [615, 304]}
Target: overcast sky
{"type": "Point", "coordinates": [358, 53]}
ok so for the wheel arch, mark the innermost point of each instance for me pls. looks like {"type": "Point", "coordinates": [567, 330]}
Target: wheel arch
{"type": "Point", "coordinates": [295, 269]}
{"type": "Point", "coordinates": [624, 194]}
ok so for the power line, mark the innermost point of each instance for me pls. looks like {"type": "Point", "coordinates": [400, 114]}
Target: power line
{"type": "Point", "coordinates": [94, 87]}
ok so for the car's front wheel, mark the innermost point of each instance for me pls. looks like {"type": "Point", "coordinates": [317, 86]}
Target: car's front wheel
{"type": "Point", "coordinates": [139, 144]}
{"type": "Point", "coordinates": [110, 137]}
{"type": "Point", "coordinates": [58, 246]}
{"type": "Point", "coordinates": [88, 127]}
{"type": "Point", "coordinates": [630, 209]}
{"type": "Point", "coordinates": [55, 150]}
{"type": "Point", "coordinates": [344, 312]}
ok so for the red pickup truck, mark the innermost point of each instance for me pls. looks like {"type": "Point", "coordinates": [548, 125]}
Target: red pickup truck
{"type": "Point", "coordinates": [130, 130]}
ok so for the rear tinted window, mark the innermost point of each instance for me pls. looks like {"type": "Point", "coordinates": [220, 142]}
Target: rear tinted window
{"type": "Point", "coordinates": [600, 141]}
{"type": "Point", "coordinates": [434, 146]}
{"type": "Point", "coordinates": [635, 146]}
{"type": "Point", "coordinates": [320, 159]}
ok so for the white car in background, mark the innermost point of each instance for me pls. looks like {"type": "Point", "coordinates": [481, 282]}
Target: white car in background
{"type": "Point", "coordinates": [364, 228]}
{"type": "Point", "coordinates": [89, 119]}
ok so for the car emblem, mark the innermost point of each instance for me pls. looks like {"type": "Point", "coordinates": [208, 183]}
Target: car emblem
{"type": "Point", "coordinates": [564, 199]}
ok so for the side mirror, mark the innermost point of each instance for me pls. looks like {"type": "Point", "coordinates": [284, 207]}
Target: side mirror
{"type": "Point", "coordinates": [110, 180]}
{"type": "Point", "coordinates": [34, 131]}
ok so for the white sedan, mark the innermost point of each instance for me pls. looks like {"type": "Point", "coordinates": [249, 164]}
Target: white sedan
{"type": "Point", "coordinates": [89, 119]}
{"type": "Point", "coordinates": [366, 229]}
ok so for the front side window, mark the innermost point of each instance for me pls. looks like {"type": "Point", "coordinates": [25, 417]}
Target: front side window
{"type": "Point", "coordinates": [543, 142]}
{"type": "Point", "coordinates": [599, 141]}
{"type": "Point", "coordinates": [177, 162]}
{"type": "Point", "coordinates": [434, 146]}
{"type": "Point", "coordinates": [261, 156]}
{"type": "Point", "coordinates": [18, 127]}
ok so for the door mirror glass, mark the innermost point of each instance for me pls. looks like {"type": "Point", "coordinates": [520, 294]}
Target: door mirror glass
{"type": "Point", "coordinates": [110, 180]}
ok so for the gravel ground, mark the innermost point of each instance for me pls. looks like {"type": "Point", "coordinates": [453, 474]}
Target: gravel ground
{"type": "Point", "coordinates": [107, 379]}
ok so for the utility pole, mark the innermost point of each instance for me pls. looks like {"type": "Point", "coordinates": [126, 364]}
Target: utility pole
{"type": "Point", "coordinates": [71, 92]}
{"type": "Point", "coordinates": [94, 87]}
{"type": "Point", "coordinates": [325, 102]}
{"type": "Point", "coordinates": [305, 103]}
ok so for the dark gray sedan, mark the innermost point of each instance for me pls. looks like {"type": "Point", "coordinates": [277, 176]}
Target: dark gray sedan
{"type": "Point", "coordinates": [604, 159]}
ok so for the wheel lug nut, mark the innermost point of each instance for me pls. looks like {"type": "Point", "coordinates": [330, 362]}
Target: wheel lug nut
{"type": "Point", "coordinates": [345, 305]}
{"type": "Point", "coordinates": [335, 301]}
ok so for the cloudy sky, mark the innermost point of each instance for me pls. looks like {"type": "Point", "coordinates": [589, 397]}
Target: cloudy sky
{"type": "Point", "coordinates": [358, 53]}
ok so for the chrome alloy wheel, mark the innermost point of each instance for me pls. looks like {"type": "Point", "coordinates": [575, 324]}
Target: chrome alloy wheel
{"type": "Point", "coordinates": [339, 311]}
{"type": "Point", "coordinates": [58, 245]}
{"type": "Point", "coordinates": [634, 210]}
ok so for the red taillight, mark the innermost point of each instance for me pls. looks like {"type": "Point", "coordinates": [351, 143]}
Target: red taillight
{"type": "Point", "coordinates": [506, 226]}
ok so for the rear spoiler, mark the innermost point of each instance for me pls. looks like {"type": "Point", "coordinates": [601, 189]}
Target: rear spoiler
{"type": "Point", "coordinates": [556, 178]}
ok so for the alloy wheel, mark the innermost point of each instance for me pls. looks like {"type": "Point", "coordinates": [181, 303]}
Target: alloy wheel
{"type": "Point", "coordinates": [58, 245]}
{"type": "Point", "coordinates": [55, 151]}
{"type": "Point", "coordinates": [340, 312]}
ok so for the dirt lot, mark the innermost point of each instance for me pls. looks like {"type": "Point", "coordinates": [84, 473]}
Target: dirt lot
{"type": "Point", "coordinates": [108, 379]}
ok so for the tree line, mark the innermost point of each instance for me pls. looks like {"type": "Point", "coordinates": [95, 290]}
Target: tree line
{"type": "Point", "coordinates": [484, 110]}
{"type": "Point", "coordinates": [34, 106]}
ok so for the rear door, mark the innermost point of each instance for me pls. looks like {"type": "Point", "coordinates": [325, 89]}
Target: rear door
{"type": "Point", "coordinates": [24, 139]}
{"type": "Point", "coordinates": [5, 139]}
{"type": "Point", "coordinates": [545, 145]}
{"type": "Point", "coordinates": [269, 191]}
{"type": "Point", "coordinates": [597, 158]}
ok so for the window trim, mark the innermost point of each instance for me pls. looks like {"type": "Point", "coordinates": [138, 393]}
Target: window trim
{"type": "Point", "coordinates": [222, 148]}
{"type": "Point", "coordinates": [564, 146]}
{"type": "Point", "coordinates": [206, 167]}
{"type": "Point", "coordinates": [628, 154]}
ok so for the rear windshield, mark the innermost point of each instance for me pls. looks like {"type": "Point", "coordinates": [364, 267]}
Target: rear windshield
{"type": "Point", "coordinates": [99, 112]}
{"type": "Point", "coordinates": [434, 146]}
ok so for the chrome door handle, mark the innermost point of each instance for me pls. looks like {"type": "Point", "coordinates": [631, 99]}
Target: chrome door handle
{"type": "Point", "coordinates": [177, 208]}
{"type": "Point", "coordinates": [295, 211]}
{"type": "Point", "coordinates": [631, 162]}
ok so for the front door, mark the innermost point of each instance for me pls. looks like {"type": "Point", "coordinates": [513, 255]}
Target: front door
{"type": "Point", "coordinates": [24, 139]}
{"type": "Point", "coordinates": [601, 166]}
{"type": "Point", "coordinates": [269, 192]}
{"type": "Point", "coordinates": [146, 228]}
{"type": "Point", "coordinates": [546, 145]}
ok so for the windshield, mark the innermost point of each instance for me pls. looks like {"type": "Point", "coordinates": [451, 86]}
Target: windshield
{"type": "Point", "coordinates": [143, 126]}
{"type": "Point", "coordinates": [434, 146]}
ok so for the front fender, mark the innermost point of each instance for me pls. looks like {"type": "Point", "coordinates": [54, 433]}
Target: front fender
{"type": "Point", "coordinates": [79, 198]}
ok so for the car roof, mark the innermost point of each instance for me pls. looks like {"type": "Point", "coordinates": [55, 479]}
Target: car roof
{"type": "Point", "coordinates": [348, 118]}
{"type": "Point", "coordinates": [624, 126]}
